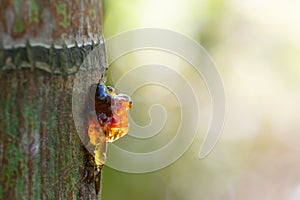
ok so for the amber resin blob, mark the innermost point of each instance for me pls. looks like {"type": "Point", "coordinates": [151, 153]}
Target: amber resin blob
{"type": "Point", "coordinates": [112, 112]}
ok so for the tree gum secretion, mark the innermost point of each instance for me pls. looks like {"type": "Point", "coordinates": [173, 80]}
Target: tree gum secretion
{"type": "Point", "coordinates": [111, 122]}
{"type": "Point", "coordinates": [112, 112]}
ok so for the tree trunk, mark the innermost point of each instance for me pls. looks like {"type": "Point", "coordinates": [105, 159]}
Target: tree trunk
{"type": "Point", "coordinates": [42, 45]}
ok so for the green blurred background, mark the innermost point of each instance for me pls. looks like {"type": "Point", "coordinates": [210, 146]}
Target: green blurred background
{"type": "Point", "coordinates": [256, 48]}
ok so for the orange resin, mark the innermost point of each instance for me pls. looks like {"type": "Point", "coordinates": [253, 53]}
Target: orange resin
{"type": "Point", "coordinates": [112, 112]}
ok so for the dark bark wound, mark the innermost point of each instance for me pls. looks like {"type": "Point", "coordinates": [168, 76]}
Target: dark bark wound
{"type": "Point", "coordinates": [63, 60]}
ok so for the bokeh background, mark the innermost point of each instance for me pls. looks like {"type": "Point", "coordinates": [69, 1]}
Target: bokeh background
{"type": "Point", "coordinates": [256, 48]}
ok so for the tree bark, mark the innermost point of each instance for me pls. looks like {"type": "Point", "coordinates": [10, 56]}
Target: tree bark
{"type": "Point", "coordinates": [42, 45]}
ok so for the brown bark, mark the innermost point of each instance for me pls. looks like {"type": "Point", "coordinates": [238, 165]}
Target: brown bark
{"type": "Point", "coordinates": [49, 21]}
{"type": "Point", "coordinates": [43, 44]}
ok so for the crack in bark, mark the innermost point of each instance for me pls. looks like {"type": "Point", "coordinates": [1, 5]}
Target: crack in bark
{"type": "Point", "coordinates": [55, 60]}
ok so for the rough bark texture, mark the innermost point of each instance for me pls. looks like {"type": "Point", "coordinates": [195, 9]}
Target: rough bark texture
{"type": "Point", "coordinates": [49, 21]}
{"type": "Point", "coordinates": [42, 46]}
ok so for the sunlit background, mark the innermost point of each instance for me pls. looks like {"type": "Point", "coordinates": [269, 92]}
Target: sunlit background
{"type": "Point", "coordinates": [256, 48]}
